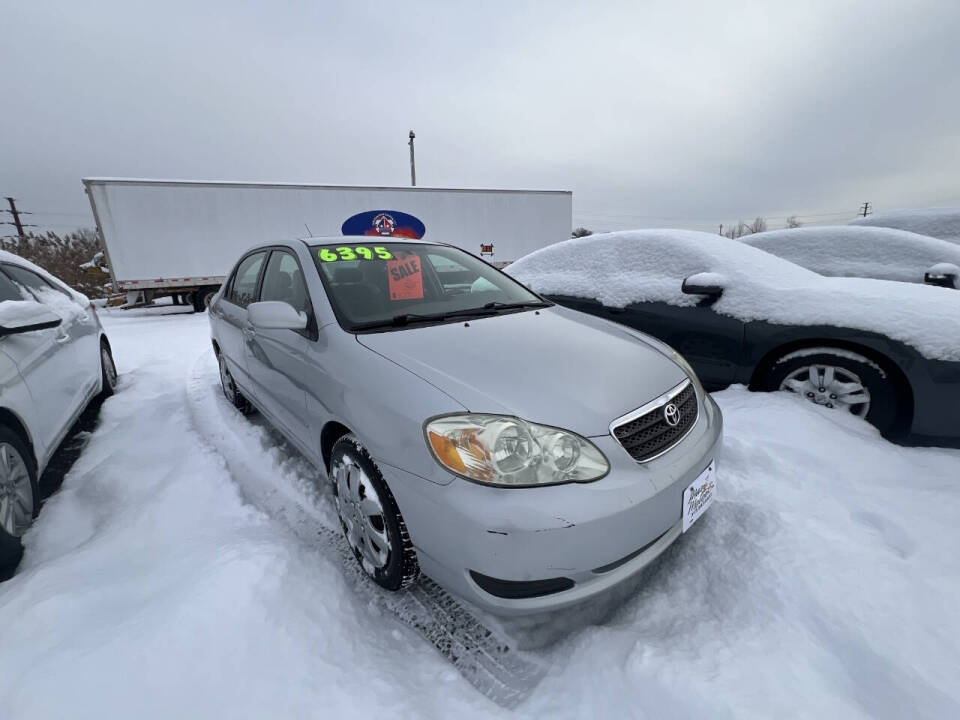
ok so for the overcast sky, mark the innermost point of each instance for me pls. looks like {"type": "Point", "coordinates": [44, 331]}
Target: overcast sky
{"type": "Point", "coordinates": [674, 113]}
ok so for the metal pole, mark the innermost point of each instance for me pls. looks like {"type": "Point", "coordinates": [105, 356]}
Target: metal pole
{"type": "Point", "coordinates": [413, 166]}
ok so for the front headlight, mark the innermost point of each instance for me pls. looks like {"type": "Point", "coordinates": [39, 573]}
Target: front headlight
{"type": "Point", "coordinates": [502, 450]}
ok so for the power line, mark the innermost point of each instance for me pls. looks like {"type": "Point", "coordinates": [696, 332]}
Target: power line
{"type": "Point", "coordinates": [16, 222]}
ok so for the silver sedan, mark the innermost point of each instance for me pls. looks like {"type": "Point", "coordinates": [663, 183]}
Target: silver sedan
{"type": "Point", "coordinates": [523, 455]}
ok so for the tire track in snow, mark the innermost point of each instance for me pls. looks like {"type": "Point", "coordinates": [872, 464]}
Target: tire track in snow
{"type": "Point", "coordinates": [275, 478]}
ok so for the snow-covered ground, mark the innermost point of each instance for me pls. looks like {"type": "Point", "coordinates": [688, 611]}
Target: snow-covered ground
{"type": "Point", "coordinates": [185, 569]}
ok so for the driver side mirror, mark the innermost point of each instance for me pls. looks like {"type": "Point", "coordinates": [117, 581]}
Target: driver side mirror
{"type": "Point", "coordinates": [276, 315]}
{"type": "Point", "coordinates": [943, 275]}
{"type": "Point", "coordinates": [709, 285]}
{"type": "Point", "coordinates": [22, 316]}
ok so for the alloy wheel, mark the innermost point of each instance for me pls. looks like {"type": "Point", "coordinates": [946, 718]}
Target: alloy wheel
{"type": "Point", "coordinates": [831, 386]}
{"type": "Point", "coordinates": [361, 514]}
{"type": "Point", "coordinates": [16, 492]}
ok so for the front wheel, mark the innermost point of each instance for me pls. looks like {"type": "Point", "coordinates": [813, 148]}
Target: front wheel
{"type": "Point", "coordinates": [840, 380]}
{"type": "Point", "coordinates": [108, 372]}
{"type": "Point", "coordinates": [370, 518]}
{"type": "Point", "coordinates": [19, 497]}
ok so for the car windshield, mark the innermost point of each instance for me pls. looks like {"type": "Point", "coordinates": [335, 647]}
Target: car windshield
{"type": "Point", "coordinates": [376, 287]}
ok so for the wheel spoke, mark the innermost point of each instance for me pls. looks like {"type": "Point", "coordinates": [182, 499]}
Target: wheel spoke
{"type": "Point", "coordinates": [847, 388]}
{"type": "Point", "coordinates": [794, 385]}
{"type": "Point", "coordinates": [379, 537]}
{"type": "Point", "coordinates": [4, 513]}
{"type": "Point", "coordinates": [376, 551]}
{"type": "Point", "coordinates": [854, 399]}
{"type": "Point", "coordinates": [827, 378]}
{"type": "Point", "coordinates": [25, 502]}
{"type": "Point", "coordinates": [369, 506]}
{"type": "Point", "coordinates": [359, 481]}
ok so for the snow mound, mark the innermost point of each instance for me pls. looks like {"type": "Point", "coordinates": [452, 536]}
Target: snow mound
{"type": "Point", "coordinates": [635, 266]}
{"type": "Point", "coordinates": [943, 223]}
{"type": "Point", "coordinates": [850, 251]}
{"type": "Point", "coordinates": [160, 583]}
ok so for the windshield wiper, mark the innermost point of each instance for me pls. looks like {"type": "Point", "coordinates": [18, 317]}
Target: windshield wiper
{"type": "Point", "coordinates": [491, 308]}
{"type": "Point", "coordinates": [516, 305]}
{"type": "Point", "coordinates": [399, 320]}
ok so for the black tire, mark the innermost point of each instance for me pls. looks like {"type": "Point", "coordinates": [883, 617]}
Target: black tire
{"type": "Point", "coordinates": [201, 297]}
{"type": "Point", "coordinates": [886, 404]}
{"type": "Point", "coordinates": [229, 387]}
{"type": "Point", "coordinates": [11, 549]}
{"type": "Point", "coordinates": [401, 568]}
{"type": "Point", "coordinates": [108, 372]}
{"type": "Point", "coordinates": [206, 295]}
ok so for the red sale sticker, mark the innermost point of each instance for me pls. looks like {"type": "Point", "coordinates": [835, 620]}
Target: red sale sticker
{"type": "Point", "coordinates": [406, 276]}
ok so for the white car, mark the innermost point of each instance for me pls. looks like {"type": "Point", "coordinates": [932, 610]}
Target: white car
{"type": "Point", "coordinates": [942, 222]}
{"type": "Point", "coordinates": [869, 252]}
{"type": "Point", "coordinates": [54, 359]}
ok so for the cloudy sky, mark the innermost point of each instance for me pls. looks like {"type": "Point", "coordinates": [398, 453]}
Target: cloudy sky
{"type": "Point", "coordinates": [669, 113]}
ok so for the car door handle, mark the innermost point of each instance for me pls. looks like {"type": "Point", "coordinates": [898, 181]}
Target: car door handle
{"type": "Point", "coordinates": [62, 338]}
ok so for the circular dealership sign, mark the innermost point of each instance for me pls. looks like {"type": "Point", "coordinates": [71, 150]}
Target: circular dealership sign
{"type": "Point", "coordinates": [384, 223]}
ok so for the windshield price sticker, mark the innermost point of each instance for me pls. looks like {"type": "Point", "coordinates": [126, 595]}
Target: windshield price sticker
{"type": "Point", "coordinates": [355, 252]}
{"type": "Point", "coordinates": [405, 276]}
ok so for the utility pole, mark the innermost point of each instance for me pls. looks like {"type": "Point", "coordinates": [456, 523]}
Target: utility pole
{"type": "Point", "coordinates": [16, 217]}
{"type": "Point", "coordinates": [413, 166]}
{"type": "Point", "coordinates": [721, 229]}
{"type": "Point", "coordinates": [865, 209]}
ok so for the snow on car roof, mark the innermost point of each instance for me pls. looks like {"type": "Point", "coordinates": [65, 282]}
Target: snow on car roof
{"type": "Point", "coordinates": [876, 252]}
{"type": "Point", "coordinates": [621, 268]}
{"type": "Point", "coordinates": [943, 222]}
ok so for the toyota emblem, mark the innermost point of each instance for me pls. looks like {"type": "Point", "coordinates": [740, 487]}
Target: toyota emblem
{"type": "Point", "coordinates": [671, 413]}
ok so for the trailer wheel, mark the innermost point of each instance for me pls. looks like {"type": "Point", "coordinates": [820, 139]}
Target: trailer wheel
{"type": "Point", "coordinates": [201, 298]}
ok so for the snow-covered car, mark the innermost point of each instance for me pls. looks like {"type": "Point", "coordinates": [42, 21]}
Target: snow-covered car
{"type": "Point", "coordinates": [462, 421]}
{"type": "Point", "coordinates": [54, 359]}
{"type": "Point", "coordinates": [869, 252]}
{"type": "Point", "coordinates": [942, 223]}
{"type": "Point", "coordinates": [886, 351]}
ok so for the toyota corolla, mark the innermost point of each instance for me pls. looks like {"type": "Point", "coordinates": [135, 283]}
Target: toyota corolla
{"type": "Point", "coordinates": [523, 455]}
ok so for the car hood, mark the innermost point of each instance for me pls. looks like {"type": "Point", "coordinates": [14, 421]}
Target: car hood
{"type": "Point", "coordinates": [555, 367]}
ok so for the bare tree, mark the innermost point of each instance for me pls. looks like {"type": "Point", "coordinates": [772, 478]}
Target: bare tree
{"type": "Point", "coordinates": [66, 256]}
{"type": "Point", "coordinates": [759, 224]}
{"type": "Point", "coordinates": [792, 222]}
{"type": "Point", "coordinates": [581, 232]}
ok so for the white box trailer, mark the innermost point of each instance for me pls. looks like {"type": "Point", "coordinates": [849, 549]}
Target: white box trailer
{"type": "Point", "coordinates": [180, 238]}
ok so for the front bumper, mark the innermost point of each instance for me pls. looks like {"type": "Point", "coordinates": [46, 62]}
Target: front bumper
{"type": "Point", "coordinates": [595, 535]}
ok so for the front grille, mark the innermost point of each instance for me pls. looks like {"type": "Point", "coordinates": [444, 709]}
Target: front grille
{"type": "Point", "coordinates": [649, 434]}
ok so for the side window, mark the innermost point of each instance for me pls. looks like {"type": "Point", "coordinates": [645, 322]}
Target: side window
{"type": "Point", "coordinates": [284, 281]}
{"type": "Point", "coordinates": [9, 290]}
{"type": "Point", "coordinates": [37, 285]}
{"type": "Point", "coordinates": [244, 284]}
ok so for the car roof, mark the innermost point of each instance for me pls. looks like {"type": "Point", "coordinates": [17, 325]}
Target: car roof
{"type": "Point", "coordinates": [380, 239]}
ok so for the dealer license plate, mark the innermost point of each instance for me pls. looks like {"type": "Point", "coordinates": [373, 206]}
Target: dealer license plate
{"type": "Point", "coordinates": [698, 496]}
